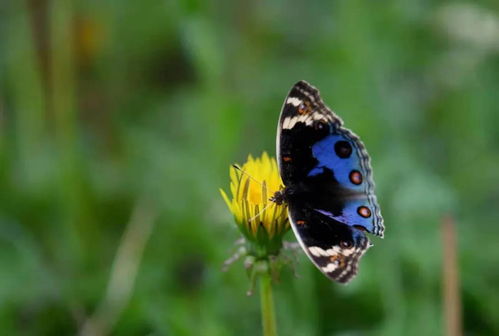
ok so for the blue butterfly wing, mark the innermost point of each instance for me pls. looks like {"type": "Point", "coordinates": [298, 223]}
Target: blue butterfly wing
{"type": "Point", "coordinates": [345, 156]}
{"type": "Point", "coordinates": [328, 179]}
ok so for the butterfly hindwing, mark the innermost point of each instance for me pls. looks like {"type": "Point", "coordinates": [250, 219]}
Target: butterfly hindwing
{"type": "Point", "coordinates": [328, 178]}
{"type": "Point", "coordinates": [335, 248]}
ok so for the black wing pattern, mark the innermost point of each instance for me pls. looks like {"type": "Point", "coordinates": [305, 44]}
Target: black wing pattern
{"type": "Point", "coordinates": [329, 187]}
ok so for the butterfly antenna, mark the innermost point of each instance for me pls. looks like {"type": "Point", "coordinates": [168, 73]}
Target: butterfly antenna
{"type": "Point", "coordinates": [264, 186]}
{"type": "Point", "coordinates": [260, 212]}
{"type": "Point", "coordinates": [245, 173]}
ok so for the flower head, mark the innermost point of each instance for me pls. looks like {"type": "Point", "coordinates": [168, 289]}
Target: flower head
{"type": "Point", "coordinates": [262, 222]}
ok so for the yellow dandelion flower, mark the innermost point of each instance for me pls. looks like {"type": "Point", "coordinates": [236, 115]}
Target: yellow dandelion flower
{"type": "Point", "coordinates": [262, 222]}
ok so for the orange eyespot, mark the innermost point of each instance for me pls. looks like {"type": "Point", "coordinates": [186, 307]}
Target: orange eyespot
{"type": "Point", "coordinates": [304, 108]}
{"type": "Point", "coordinates": [338, 260]}
{"type": "Point", "coordinates": [355, 177]}
{"type": "Point", "coordinates": [364, 211]}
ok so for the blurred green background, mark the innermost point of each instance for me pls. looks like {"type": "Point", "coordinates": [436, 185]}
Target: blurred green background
{"type": "Point", "coordinates": [119, 120]}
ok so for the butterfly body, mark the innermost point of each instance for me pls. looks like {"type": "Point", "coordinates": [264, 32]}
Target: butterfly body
{"type": "Point", "coordinates": [328, 184]}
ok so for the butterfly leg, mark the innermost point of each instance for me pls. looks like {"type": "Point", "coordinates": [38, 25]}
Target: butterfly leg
{"type": "Point", "coordinates": [291, 258]}
{"type": "Point", "coordinates": [241, 251]}
{"type": "Point", "coordinates": [240, 241]}
{"type": "Point", "coordinates": [292, 246]}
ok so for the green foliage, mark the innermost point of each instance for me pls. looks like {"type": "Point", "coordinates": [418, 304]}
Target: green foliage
{"type": "Point", "coordinates": [104, 104]}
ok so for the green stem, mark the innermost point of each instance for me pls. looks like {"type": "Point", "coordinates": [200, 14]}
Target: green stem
{"type": "Point", "coordinates": [267, 305]}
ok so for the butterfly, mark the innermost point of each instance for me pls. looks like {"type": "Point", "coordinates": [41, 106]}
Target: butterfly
{"type": "Point", "coordinates": [328, 183]}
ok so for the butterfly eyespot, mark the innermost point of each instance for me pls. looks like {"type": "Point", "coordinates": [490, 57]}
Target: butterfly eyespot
{"type": "Point", "coordinates": [319, 125]}
{"type": "Point", "coordinates": [346, 244]}
{"type": "Point", "coordinates": [304, 108]}
{"type": "Point", "coordinates": [335, 259]}
{"type": "Point", "coordinates": [343, 149]}
{"type": "Point", "coordinates": [300, 222]}
{"type": "Point", "coordinates": [301, 108]}
{"type": "Point", "coordinates": [355, 177]}
{"type": "Point", "coordinates": [287, 159]}
{"type": "Point", "coordinates": [364, 211]}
